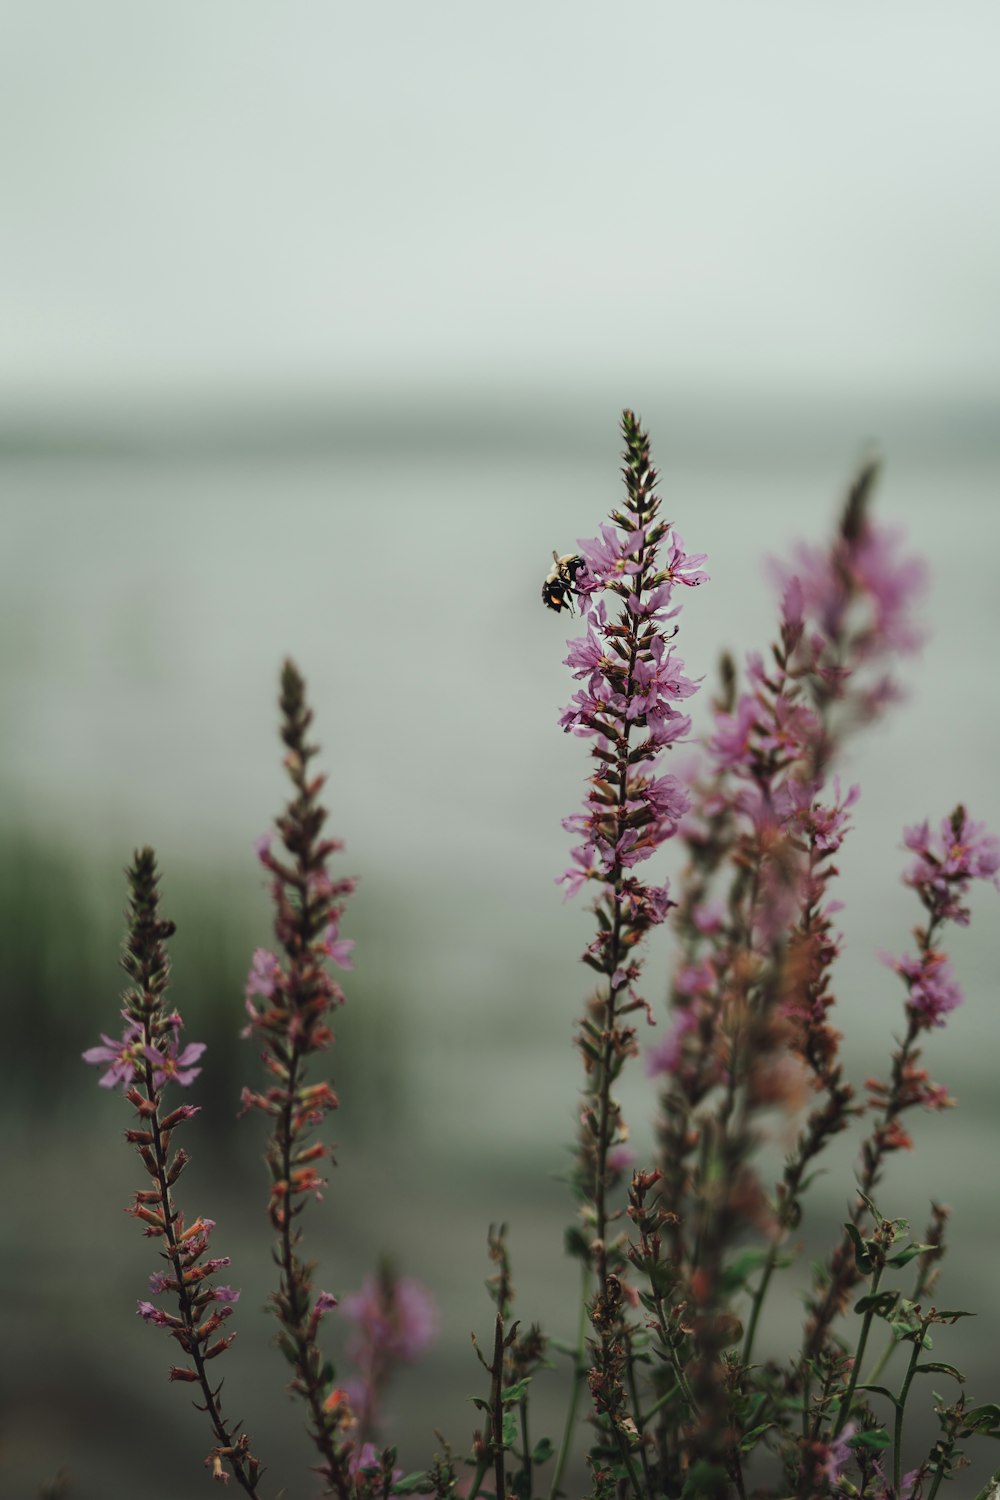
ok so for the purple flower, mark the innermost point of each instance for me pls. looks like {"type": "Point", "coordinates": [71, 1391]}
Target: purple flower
{"type": "Point", "coordinates": [933, 990]}
{"type": "Point", "coordinates": [683, 569]}
{"type": "Point", "coordinates": [171, 1066]}
{"type": "Point", "coordinates": [366, 1460]}
{"type": "Point", "coordinates": [665, 1057]}
{"type": "Point", "coordinates": [150, 1313]}
{"type": "Point", "coordinates": [124, 1055]}
{"type": "Point", "coordinates": [585, 867]}
{"type": "Point", "coordinates": [730, 744]}
{"type": "Point", "coordinates": [264, 973]}
{"type": "Point", "coordinates": [946, 865]}
{"type": "Point", "coordinates": [338, 949]}
{"type": "Point", "coordinates": [610, 557]}
{"type": "Point", "coordinates": [862, 587]}
{"type": "Point", "coordinates": [839, 1453]}
{"type": "Point", "coordinates": [395, 1319]}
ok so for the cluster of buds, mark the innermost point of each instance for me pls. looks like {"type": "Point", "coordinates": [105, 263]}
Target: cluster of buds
{"type": "Point", "coordinates": [289, 998]}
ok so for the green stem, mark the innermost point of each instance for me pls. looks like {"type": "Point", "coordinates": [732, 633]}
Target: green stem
{"type": "Point", "coordinates": [634, 1392]}
{"type": "Point", "coordinates": [845, 1405]}
{"type": "Point", "coordinates": [758, 1302]}
{"type": "Point", "coordinates": [526, 1446]}
{"type": "Point", "coordinates": [496, 1414]}
{"type": "Point", "coordinates": [897, 1455]}
{"type": "Point", "coordinates": [579, 1369]}
{"type": "Point", "coordinates": [630, 1466]}
{"type": "Point", "coordinates": [658, 1404]}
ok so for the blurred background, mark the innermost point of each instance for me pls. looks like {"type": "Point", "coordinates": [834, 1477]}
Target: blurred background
{"type": "Point", "coordinates": [318, 321]}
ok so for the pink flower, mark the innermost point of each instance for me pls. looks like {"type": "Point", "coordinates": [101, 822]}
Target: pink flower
{"type": "Point", "coordinates": [124, 1055]}
{"type": "Point", "coordinates": [621, 1158]}
{"type": "Point", "coordinates": [338, 949]}
{"type": "Point", "coordinates": [264, 973]}
{"type": "Point", "coordinates": [665, 1057]}
{"type": "Point", "coordinates": [946, 865]}
{"type": "Point", "coordinates": [611, 557]}
{"type": "Point", "coordinates": [398, 1319]}
{"type": "Point", "coordinates": [171, 1066]}
{"type": "Point", "coordinates": [933, 990]}
{"type": "Point", "coordinates": [839, 1453]}
{"type": "Point", "coordinates": [681, 568]}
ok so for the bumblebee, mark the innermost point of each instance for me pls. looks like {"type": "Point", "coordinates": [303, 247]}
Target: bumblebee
{"type": "Point", "coordinates": [557, 590]}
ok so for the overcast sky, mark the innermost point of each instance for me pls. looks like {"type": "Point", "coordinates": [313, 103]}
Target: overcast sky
{"type": "Point", "coordinates": [243, 195]}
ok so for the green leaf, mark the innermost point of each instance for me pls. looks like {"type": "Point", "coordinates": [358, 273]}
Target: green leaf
{"type": "Point", "coordinates": [903, 1257]}
{"type": "Point", "coordinates": [877, 1439]}
{"type": "Point", "coordinates": [872, 1209]}
{"type": "Point", "coordinates": [880, 1303]}
{"type": "Point", "coordinates": [515, 1393]}
{"type": "Point", "coordinates": [984, 1419]}
{"type": "Point", "coordinates": [862, 1250]}
{"type": "Point", "coordinates": [509, 1431]}
{"type": "Point", "coordinates": [753, 1437]}
{"type": "Point", "coordinates": [479, 1403]}
{"type": "Point", "coordinates": [940, 1369]}
{"type": "Point", "coordinates": [906, 1328]}
{"type": "Point", "coordinates": [950, 1314]}
{"type": "Point", "coordinates": [412, 1484]}
{"type": "Point", "coordinates": [542, 1451]}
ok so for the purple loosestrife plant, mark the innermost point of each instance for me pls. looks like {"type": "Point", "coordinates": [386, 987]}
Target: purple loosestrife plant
{"type": "Point", "coordinates": [627, 706]}
{"type": "Point", "coordinates": [679, 1264]}
{"type": "Point", "coordinates": [290, 995]}
{"type": "Point", "coordinates": [146, 1061]}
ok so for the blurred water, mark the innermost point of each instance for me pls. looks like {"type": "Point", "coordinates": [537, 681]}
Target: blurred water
{"type": "Point", "coordinates": [148, 592]}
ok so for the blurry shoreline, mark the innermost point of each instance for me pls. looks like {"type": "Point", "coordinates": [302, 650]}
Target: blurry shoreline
{"type": "Point", "coordinates": [737, 427]}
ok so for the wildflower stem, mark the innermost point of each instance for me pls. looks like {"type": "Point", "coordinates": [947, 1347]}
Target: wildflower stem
{"type": "Point", "coordinates": [758, 1302]}
{"type": "Point", "coordinates": [294, 1301]}
{"type": "Point", "coordinates": [579, 1370]}
{"type": "Point", "coordinates": [629, 1465]}
{"type": "Point", "coordinates": [525, 1445]}
{"type": "Point", "coordinates": [226, 1439]}
{"type": "Point", "coordinates": [634, 1393]}
{"type": "Point", "coordinates": [496, 1414]}
{"type": "Point", "coordinates": [897, 1437]}
{"type": "Point", "coordinates": [845, 1405]}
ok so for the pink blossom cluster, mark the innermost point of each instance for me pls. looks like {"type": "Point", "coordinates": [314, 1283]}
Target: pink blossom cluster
{"type": "Point", "coordinates": [395, 1320]}
{"type": "Point", "coordinates": [171, 1063]}
{"type": "Point", "coordinates": [945, 866]}
{"type": "Point", "coordinates": [759, 799]}
{"type": "Point", "coordinates": [631, 682]}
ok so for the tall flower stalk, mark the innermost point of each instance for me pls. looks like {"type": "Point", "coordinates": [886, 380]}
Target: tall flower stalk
{"type": "Point", "coordinates": [290, 995]}
{"type": "Point", "coordinates": [944, 867]}
{"type": "Point", "coordinates": [631, 684]}
{"type": "Point", "coordinates": [146, 1060]}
